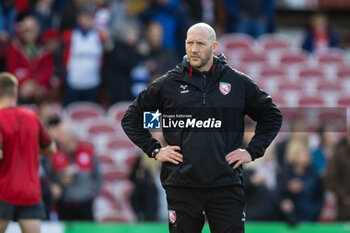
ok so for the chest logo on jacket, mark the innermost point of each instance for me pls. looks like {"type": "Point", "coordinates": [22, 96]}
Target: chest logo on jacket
{"type": "Point", "coordinates": [184, 89]}
{"type": "Point", "coordinates": [224, 88]}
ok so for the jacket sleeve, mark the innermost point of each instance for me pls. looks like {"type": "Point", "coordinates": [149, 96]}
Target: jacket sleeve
{"type": "Point", "coordinates": [259, 107]}
{"type": "Point", "coordinates": [148, 100]}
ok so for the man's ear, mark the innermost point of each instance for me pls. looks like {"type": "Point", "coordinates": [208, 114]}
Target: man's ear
{"type": "Point", "coordinates": [215, 46]}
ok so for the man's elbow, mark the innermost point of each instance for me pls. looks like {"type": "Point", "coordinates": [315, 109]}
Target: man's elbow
{"type": "Point", "coordinates": [50, 149]}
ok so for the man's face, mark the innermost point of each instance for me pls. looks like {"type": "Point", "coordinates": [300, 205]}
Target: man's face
{"type": "Point", "coordinates": [85, 20]}
{"type": "Point", "coordinates": [29, 29]}
{"type": "Point", "coordinates": [199, 48]}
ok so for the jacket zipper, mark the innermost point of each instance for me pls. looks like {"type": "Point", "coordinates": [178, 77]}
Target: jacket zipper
{"type": "Point", "coordinates": [205, 87]}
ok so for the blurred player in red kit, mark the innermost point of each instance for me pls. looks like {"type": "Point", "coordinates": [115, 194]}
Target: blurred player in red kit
{"type": "Point", "coordinates": [22, 139]}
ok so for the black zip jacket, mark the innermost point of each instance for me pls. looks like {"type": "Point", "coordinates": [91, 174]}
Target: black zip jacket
{"type": "Point", "coordinates": [204, 149]}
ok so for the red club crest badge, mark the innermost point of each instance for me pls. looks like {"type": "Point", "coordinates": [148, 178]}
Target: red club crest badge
{"type": "Point", "coordinates": [172, 216]}
{"type": "Point", "coordinates": [224, 88]}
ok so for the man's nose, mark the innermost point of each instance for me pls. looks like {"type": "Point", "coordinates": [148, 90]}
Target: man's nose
{"type": "Point", "coordinates": [195, 48]}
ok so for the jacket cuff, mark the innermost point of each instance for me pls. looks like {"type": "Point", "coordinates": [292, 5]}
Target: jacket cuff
{"type": "Point", "coordinates": [150, 150]}
{"type": "Point", "coordinates": [251, 152]}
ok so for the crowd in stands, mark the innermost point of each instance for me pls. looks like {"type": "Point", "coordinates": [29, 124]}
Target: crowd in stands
{"type": "Point", "coordinates": [80, 62]}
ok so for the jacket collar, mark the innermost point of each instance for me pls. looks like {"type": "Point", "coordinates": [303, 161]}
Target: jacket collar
{"type": "Point", "coordinates": [219, 65]}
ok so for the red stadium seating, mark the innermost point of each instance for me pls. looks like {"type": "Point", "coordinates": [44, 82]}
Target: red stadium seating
{"type": "Point", "coordinates": [272, 72]}
{"type": "Point", "coordinates": [311, 101]}
{"type": "Point", "coordinates": [290, 86]}
{"type": "Point", "coordinates": [82, 111]}
{"type": "Point", "coordinates": [328, 86]}
{"type": "Point", "coordinates": [292, 58]}
{"type": "Point", "coordinates": [343, 72]}
{"type": "Point", "coordinates": [236, 43]}
{"type": "Point", "coordinates": [114, 143]}
{"type": "Point", "coordinates": [116, 112]}
{"type": "Point", "coordinates": [344, 102]}
{"type": "Point", "coordinates": [330, 57]}
{"type": "Point", "coordinates": [273, 43]}
{"type": "Point", "coordinates": [253, 58]}
{"type": "Point", "coordinates": [112, 205]}
{"type": "Point", "coordinates": [307, 73]}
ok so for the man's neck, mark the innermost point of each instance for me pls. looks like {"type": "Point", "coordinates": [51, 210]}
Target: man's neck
{"type": "Point", "coordinates": [7, 102]}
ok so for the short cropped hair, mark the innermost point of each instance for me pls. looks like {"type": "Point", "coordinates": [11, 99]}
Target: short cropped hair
{"type": "Point", "coordinates": [8, 85]}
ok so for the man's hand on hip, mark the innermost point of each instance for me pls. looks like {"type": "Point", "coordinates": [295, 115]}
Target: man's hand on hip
{"type": "Point", "coordinates": [239, 156]}
{"type": "Point", "coordinates": [170, 154]}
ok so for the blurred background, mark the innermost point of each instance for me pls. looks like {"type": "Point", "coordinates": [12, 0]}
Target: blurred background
{"type": "Point", "coordinates": [81, 62]}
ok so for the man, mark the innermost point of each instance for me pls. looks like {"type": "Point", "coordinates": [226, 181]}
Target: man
{"type": "Point", "coordinates": [201, 166]}
{"type": "Point", "coordinates": [337, 177]}
{"type": "Point", "coordinates": [82, 54]}
{"type": "Point", "coordinates": [75, 171]}
{"type": "Point", "coordinates": [22, 138]}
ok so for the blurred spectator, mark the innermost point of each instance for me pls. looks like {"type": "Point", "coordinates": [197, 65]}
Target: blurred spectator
{"type": "Point", "coordinates": [208, 11]}
{"type": "Point", "coordinates": [159, 60]}
{"type": "Point", "coordinates": [68, 16]}
{"type": "Point", "coordinates": [254, 17]}
{"type": "Point", "coordinates": [260, 179]}
{"type": "Point", "coordinates": [22, 6]}
{"type": "Point", "coordinates": [31, 62]}
{"type": "Point", "coordinates": [337, 177]}
{"type": "Point", "coordinates": [301, 189]}
{"type": "Point", "coordinates": [174, 17]}
{"type": "Point", "coordinates": [126, 54]}
{"type": "Point", "coordinates": [82, 58]}
{"type": "Point", "coordinates": [322, 154]}
{"type": "Point", "coordinates": [59, 5]}
{"type": "Point", "coordinates": [144, 199]}
{"type": "Point", "coordinates": [298, 133]}
{"type": "Point", "coordinates": [49, 112]}
{"type": "Point", "coordinates": [196, 9]}
{"type": "Point", "coordinates": [8, 15]}
{"type": "Point", "coordinates": [102, 16]}
{"type": "Point", "coordinates": [43, 11]}
{"type": "Point", "coordinates": [319, 36]}
{"type": "Point", "coordinates": [75, 170]}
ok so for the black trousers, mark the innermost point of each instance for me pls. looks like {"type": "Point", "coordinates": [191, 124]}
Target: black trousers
{"type": "Point", "coordinates": [224, 208]}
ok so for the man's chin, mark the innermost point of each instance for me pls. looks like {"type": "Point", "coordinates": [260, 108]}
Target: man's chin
{"type": "Point", "coordinates": [196, 64]}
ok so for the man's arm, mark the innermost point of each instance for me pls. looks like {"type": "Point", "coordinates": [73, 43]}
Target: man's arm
{"type": "Point", "coordinates": [49, 150]}
{"type": "Point", "coordinates": [47, 145]}
{"type": "Point", "coordinates": [260, 108]}
{"type": "Point", "coordinates": [148, 100]}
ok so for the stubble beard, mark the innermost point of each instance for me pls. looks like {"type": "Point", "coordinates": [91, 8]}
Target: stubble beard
{"type": "Point", "coordinates": [204, 61]}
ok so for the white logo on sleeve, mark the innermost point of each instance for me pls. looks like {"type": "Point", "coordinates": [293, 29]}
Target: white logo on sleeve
{"type": "Point", "coordinates": [184, 89]}
{"type": "Point", "coordinates": [172, 216]}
